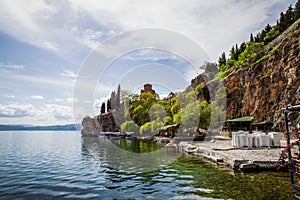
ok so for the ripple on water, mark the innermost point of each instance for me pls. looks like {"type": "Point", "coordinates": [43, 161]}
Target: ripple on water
{"type": "Point", "coordinates": [58, 165]}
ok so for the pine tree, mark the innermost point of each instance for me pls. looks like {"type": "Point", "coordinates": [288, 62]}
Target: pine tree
{"type": "Point", "coordinates": [251, 38]}
{"type": "Point", "coordinates": [102, 108]}
{"type": "Point", "coordinates": [268, 28]}
{"type": "Point", "coordinates": [237, 52]}
{"type": "Point", "coordinates": [243, 47]}
{"type": "Point", "coordinates": [222, 59]}
{"type": "Point", "coordinates": [232, 53]}
{"type": "Point", "coordinates": [290, 16]}
{"type": "Point", "coordinates": [297, 10]}
{"type": "Point", "coordinates": [283, 24]}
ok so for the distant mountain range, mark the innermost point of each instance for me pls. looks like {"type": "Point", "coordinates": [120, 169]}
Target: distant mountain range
{"type": "Point", "coordinates": [67, 127]}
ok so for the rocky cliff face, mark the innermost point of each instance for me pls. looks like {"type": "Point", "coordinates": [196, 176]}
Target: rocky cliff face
{"type": "Point", "coordinates": [263, 89]}
{"type": "Point", "coordinates": [103, 123]}
{"type": "Point", "coordinates": [91, 127]}
{"type": "Point", "coordinates": [107, 122]}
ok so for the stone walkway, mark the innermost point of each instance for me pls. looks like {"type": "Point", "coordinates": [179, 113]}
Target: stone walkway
{"type": "Point", "coordinates": [243, 159]}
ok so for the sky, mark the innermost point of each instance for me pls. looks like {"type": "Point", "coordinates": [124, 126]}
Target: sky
{"type": "Point", "coordinates": [48, 47]}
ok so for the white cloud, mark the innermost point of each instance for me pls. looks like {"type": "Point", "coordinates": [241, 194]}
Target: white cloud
{"type": "Point", "coordinates": [62, 26]}
{"type": "Point", "coordinates": [87, 101]}
{"type": "Point", "coordinates": [70, 29]}
{"type": "Point", "coordinates": [72, 100]}
{"type": "Point", "coordinates": [68, 74]}
{"type": "Point", "coordinates": [37, 81]}
{"type": "Point", "coordinates": [38, 97]}
{"type": "Point", "coordinates": [17, 113]}
{"type": "Point", "coordinates": [92, 37]}
{"type": "Point", "coordinates": [150, 54]}
{"type": "Point", "coordinates": [59, 112]}
{"type": "Point", "coordinates": [15, 110]}
{"type": "Point", "coordinates": [98, 102]}
{"type": "Point", "coordinates": [58, 100]}
{"type": "Point", "coordinates": [10, 96]}
{"type": "Point", "coordinates": [9, 67]}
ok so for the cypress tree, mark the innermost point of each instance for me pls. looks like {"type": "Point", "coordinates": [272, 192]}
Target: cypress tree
{"type": "Point", "coordinates": [102, 108]}
{"type": "Point", "coordinates": [108, 104]}
{"type": "Point", "coordinates": [118, 98]}
{"type": "Point", "coordinates": [113, 99]}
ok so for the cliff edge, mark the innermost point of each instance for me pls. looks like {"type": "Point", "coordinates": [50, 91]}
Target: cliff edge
{"type": "Point", "coordinates": [262, 89]}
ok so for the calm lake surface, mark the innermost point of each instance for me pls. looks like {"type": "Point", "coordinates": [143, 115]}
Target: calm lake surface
{"type": "Point", "coordinates": [62, 165]}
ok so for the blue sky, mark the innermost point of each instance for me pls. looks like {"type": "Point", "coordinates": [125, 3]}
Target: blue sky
{"type": "Point", "coordinates": [45, 44]}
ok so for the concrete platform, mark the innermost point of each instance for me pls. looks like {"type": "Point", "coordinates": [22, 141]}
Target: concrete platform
{"type": "Point", "coordinates": [222, 152]}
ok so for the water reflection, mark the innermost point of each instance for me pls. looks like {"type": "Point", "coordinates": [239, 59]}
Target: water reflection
{"type": "Point", "coordinates": [186, 177]}
{"type": "Point", "coordinates": [128, 155]}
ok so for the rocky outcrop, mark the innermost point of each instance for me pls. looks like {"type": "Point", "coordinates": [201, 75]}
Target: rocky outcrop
{"type": "Point", "coordinates": [263, 89]}
{"type": "Point", "coordinates": [91, 126]}
{"type": "Point", "coordinates": [107, 122]}
{"type": "Point", "coordinates": [102, 123]}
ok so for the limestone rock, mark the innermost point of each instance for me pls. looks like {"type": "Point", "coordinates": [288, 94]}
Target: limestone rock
{"type": "Point", "coordinates": [263, 89]}
{"type": "Point", "coordinates": [103, 123]}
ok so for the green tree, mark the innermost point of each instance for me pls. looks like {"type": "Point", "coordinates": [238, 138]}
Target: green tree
{"type": "Point", "coordinates": [204, 114]}
{"type": "Point", "coordinates": [252, 53]}
{"type": "Point", "coordinates": [129, 126]}
{"type": "Point", "coordinates": [113, 100]}
{"type": "Point", "coordinates": [290, 15]}
{"type": "Point", "coordinates": [145, 129]}
{"type": "Point", "coordinates": [222, 59]}
{"type": "Point", "coordinates": [157, 112]}
{"type": "Point", "coordinates": [102, 110]}
{"type": "Point", "coordinates": [108, 105]}
{"type": "Point", "coordinates": [237, 52]}
{"type": "Point", "coordinates": [155, 125]}
{"type": "Point", "coordinates": [271, 35]}
{"type": "Point", "coordinates": [283, 22]}
{"type": "Point", "coordinates": [217, 115]}
{"type": "Point", "coordinates": [118, 98]}
{"type": "Point", "coordinates": [140, 115]}
{"type": "Point", "coordinates": [232, 53]}
{"type": "Point", "coordinates": [297, 10]}
{"type": "Point", "coordinates": [168, 120]}
{"type": "Point", "coordinates": [251, 38]}
{"type": "Point", "coordinates": [177, 117]}
{"type": "Point", "coordinates": [243, 46]}
{"type": "Point", "coordinates": [190, 116]}
{"type": "Point", "coordinates": [175, 107]}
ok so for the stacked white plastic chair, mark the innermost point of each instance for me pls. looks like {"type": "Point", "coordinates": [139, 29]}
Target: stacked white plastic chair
{"type": "Point", "coordinates": [264, 140]}
{"type": "Point", "coordinates": [275, 137]}
{"type": "Point", "coordinates": [258, 140]}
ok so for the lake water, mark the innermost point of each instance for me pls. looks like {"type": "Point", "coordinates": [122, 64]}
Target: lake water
{"type": "Point", "coordinates": [62, 165]}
